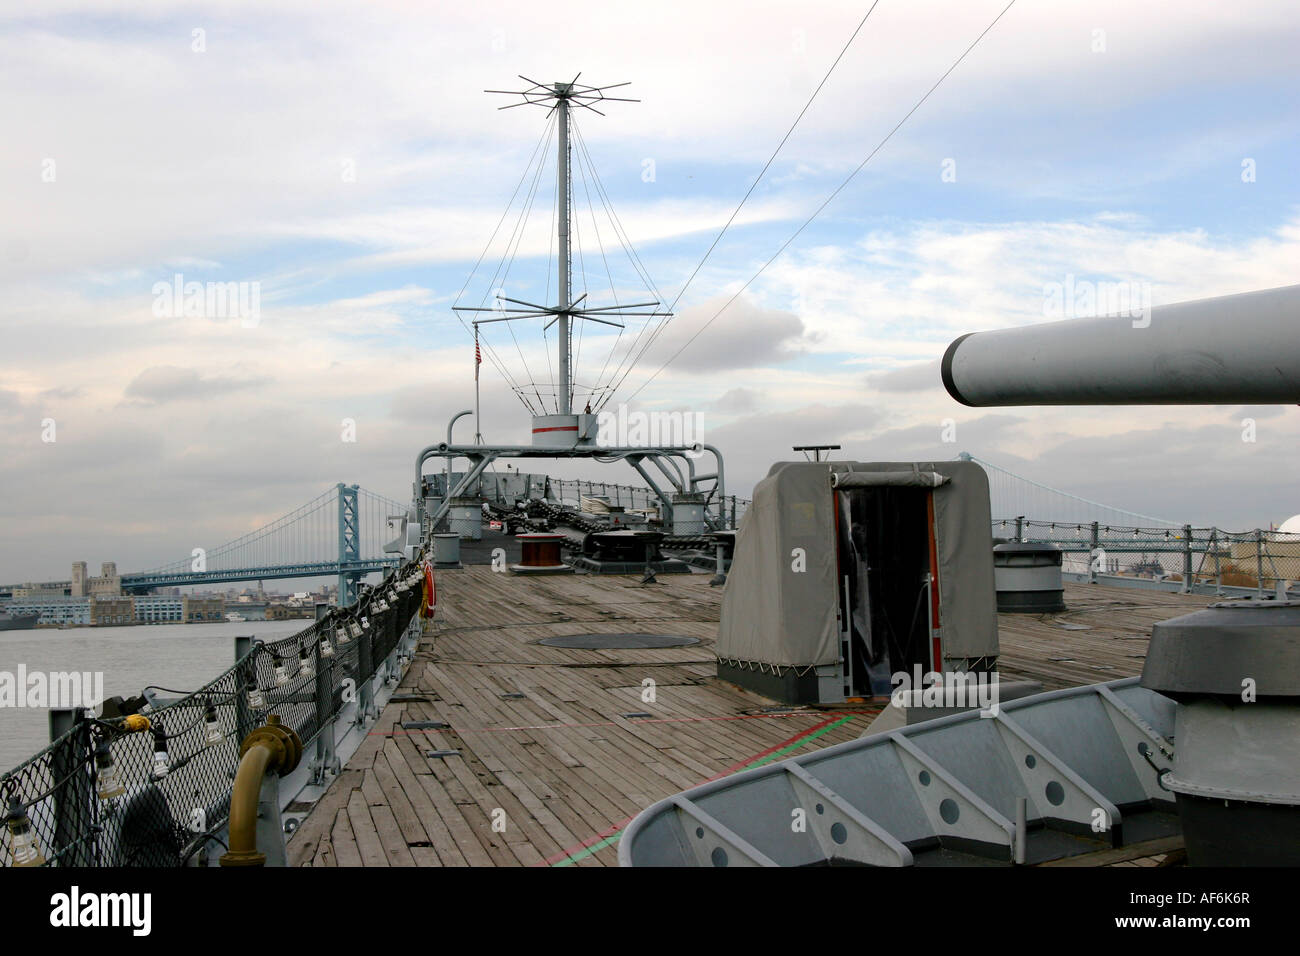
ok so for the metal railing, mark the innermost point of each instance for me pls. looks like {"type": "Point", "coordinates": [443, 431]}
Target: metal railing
{"type": "Point", "coordinates": [570, 492]}
{"type": "Point", "coordinates": [115, 793]}
{"type": "Point", "coordinates": [1194, 558]}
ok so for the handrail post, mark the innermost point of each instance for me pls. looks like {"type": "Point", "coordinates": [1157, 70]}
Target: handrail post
{"type": "Point", "coordinates": [74, 804]}
{"type": "Point", "coordinates": [1218, 575]}
{"type": "Point", "coordinates": [1187, 559]}
{"type": "Point", "coordinates": [1092, 554]}
{"type": "Point", "coordinates": [1259, 563]}
{"type": "Point", "coordinates": [325, 761]}
{"type": "Point", "coordinates": [244, 713]}
{"type": "Point", "coordinates": [365, 676]}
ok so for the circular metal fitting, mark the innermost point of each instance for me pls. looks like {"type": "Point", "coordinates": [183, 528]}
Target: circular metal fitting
{"type": "Point", "coordinates": [283, 742]}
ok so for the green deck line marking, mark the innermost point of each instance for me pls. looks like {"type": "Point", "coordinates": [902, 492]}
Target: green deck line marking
{"type": "Point", "coordinates": [594, 848]}
{"type": "Point", "coordinates": [799, 743]}
{"type": "Point", "coordinates": [597, 847]}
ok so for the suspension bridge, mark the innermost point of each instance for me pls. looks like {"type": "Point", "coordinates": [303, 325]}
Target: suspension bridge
{"type": "Point", "coordinates": [339, 533]}
{"type": "Point", "coordinates": [342, 533]}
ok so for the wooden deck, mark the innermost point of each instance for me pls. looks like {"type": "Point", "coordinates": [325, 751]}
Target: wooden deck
{"type": "Point", "coordinates": [549, 768]}
{"type": "Point", "coordinates": [1103, 636]}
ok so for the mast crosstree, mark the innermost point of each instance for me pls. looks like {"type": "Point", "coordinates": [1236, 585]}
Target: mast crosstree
{"type": "Point", "coordinates": [561, 98]}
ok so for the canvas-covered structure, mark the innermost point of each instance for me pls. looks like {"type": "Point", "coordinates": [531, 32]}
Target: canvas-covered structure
{"type": "Point", "coordinates": [833, 583]}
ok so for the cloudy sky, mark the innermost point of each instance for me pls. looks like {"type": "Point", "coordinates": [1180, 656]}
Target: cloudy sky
{"type": "Point", "coordinates": [345, 158]}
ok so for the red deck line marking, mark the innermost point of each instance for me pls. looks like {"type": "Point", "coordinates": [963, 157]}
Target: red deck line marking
{"type": "Point", "coordinates": [611, 830]}
{"type": "Point", "coordinates": [773, 749]}
{"type": "Point", "coordinates": [612, 723]}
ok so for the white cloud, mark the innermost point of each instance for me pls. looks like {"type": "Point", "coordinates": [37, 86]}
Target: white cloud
{"type": "Point", "coordinates": [229, 163]}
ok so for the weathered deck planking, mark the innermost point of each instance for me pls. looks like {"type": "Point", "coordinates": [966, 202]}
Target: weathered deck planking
{"type": "Point", "coordinates": [551, 777]}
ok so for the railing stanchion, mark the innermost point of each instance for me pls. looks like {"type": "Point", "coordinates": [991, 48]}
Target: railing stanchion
{"type": "Point", "coordinates": [245, 681]}
{"type": "Point", "coordinates": [365, 676]}
{"type": "Point", "coordinates": [1259, 562]}
{"type": "Point", "coordinates": [1218, 574]}
{"type": "Point", "coordinates": [74, 803]}
{"type": "Point", "coordinates": [1093, 561]}
{"type": "Point", "coordinates": [325, 760]}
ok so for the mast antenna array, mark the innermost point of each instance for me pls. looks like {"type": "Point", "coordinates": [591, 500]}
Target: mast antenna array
{"type": "Point", "coordinates": [560, 98]}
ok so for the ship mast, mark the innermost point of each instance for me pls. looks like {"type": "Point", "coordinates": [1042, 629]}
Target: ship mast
{"type": "Point", "coordinates": [569, 427]}
{"type": "Point", "coordinates": [563, 185]}
{"type": "Point", "coordinates": [563, 97]}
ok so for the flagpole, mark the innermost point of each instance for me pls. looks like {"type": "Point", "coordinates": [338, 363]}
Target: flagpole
{"type": "Point", "coordinates": [478, 360]}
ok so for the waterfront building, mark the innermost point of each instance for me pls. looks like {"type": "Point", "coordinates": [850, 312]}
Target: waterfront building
{"type": "Point", "coordinates": [62, 611]}
{"type": "Point", "coordinates": [110, 611]}
{"type": "Point", "coordinates": [107, 584]}
{"type": "Point", "coordinates": [197, 610]}
{"type": "Point", "coordinates": [159, 609]}
{"type": "Point", "coordinates": [30, 592]}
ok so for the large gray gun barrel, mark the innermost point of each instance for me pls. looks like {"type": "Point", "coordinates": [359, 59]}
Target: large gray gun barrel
{"type": "Point", "coordinates": [1232, 350]}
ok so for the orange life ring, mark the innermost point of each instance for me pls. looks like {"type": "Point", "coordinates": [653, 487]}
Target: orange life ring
{"type": "Point", "coordinates": [430, 593]}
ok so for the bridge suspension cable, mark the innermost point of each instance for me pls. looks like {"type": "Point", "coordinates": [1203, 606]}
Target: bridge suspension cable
{"type": "Point", "coordinates": [309, 534]}
{"type": "Point", "coordinates": [1013, 496]}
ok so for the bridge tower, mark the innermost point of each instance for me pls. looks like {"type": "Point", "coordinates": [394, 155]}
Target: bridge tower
{"type": "Point", "coordinates": [349, 543]}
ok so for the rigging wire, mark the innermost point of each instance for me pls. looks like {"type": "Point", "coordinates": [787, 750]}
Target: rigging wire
{"type": "Point", "coordinates": [581, 323]}
{"type": "Point", "coordinates": [507, 262]}
{"type": "Point", "coordinates": [775, 152]}
{"type": "Point", "coordinates": [629, 250]}
{"type": "Point", "coordinates": [538, 148]}
{"type": "Point", "coordinates": [650, 340]}
{"type": "Point", "coordinates": [828, 200]}
{"type": "Point", "coordinates": [591, 207]}
{"type": "Point", "coordinates": [552, 260]}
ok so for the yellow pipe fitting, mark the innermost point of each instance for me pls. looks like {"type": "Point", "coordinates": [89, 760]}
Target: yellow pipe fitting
{"type": "Point", "coordinates": [271, 748]}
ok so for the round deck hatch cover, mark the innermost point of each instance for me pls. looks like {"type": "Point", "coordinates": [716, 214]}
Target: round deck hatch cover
{"type": "Point", "coordinates": [601, 642]}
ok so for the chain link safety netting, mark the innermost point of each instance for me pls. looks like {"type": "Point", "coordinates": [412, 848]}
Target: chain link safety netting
{"type": "Point", "coordinates": [1203, 557]}
{"type": "Point", "coordinates": [123, 792]}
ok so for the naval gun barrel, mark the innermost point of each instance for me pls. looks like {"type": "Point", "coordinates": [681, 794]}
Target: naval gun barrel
{"type": "Point", "coordinates": [1230, 350]}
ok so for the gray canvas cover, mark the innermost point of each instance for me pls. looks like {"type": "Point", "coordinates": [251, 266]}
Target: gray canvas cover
{"type": "Point", "coordinates": [776, 615]}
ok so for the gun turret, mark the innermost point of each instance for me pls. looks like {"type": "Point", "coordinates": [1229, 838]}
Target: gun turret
{"type": "Point", "coordinates": [1230, 350]}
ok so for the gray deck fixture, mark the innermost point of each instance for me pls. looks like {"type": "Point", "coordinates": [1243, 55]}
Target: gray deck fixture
{"type": "Point", "coordinates": [1234, 670]}
{"type": "Point", "coordinates": [1085, 761]}
{"type": "Point", "coordinates": [1027, 575]}
{"type": "Point", "coordinates": [847, 572]}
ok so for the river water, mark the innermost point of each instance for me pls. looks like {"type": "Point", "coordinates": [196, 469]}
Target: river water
{"type": "Point", "coordinates": [180, 656]}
